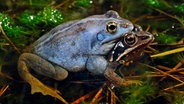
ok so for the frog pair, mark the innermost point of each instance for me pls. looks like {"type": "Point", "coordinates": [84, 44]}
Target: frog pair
{"type": "Point", "coordinates": [83, 44]}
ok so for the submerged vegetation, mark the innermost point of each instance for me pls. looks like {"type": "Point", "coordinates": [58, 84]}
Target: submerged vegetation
{"type": "Point", "coordinates": [160, 68]}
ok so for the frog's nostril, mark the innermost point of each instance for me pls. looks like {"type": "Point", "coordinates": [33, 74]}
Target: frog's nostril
{"type": "Point", "coordinates": [125, 25]}
{"type": "Point", "coordinates": [145, 37]}
{"type": "Point", "coordinates": [150, 37]}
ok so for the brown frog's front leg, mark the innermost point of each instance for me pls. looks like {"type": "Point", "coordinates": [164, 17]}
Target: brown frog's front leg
{"type": "Point", "coordinates": [115, 78]}
{"type": "Point", "coordinates": [99, 65]}
{"type": "Point", "coordinates": [41, 66]}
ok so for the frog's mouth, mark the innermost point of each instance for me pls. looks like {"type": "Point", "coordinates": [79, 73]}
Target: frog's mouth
{"type": "Point", "coordinates": [112, 40]}
{"type": "Point", "coordinates": [132, 54]}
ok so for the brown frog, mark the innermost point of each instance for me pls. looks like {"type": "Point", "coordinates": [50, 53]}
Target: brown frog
{"type": "Point", "coordinates": [129, 48]}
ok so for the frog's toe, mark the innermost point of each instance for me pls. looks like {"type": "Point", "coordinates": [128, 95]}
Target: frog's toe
{"type": "Point", "coordinates": [60, 73]}
{"type": "Point", "coordinates": [131, 82]}
{"type": "Point", "coordinates": [137, 82]}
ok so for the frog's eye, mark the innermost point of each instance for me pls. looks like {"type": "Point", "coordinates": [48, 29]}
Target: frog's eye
{"type": "Point", "coordinates": [112, 27]}
{"type": "Point", "coordinates": [130, 39]}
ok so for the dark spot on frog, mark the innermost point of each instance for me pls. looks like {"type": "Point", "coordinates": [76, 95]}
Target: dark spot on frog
{"type": "Point", "coordinates": [73, 43]}
{"type": "Point", "coordinates": [75, 56]}
{"type": "Point", "coordinates": [79, 30]}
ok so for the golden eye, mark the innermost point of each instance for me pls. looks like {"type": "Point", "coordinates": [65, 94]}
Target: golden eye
{"type": "Point", "coordinates": [112, 27]}
{"type": "Point", "coordinates": [130, 39]}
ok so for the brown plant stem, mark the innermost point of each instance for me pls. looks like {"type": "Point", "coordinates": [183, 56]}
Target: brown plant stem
{"type": "Point", "coordinates": [8, 39]}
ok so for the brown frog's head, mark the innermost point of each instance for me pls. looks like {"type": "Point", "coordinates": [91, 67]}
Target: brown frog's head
{"type": "Point", "coordinates": [131, 45]}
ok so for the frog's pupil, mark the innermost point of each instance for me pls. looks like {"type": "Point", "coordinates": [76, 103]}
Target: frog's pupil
{"type": "Point", "coordinates": [112, 27]}
{"type": "Point", "coordinates": [130, 40]}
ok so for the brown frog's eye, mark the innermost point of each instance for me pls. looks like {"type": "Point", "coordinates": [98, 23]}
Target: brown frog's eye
{"type": "Point", "coordinates": [112, 27]}
{"type": "Point", "coordinates": [130, 39]}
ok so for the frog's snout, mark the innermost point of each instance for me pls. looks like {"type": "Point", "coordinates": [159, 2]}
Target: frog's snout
{"type": "Point", "coordinates": [150, 36]}
{"type": "Point", "coordinates": [145, 36]}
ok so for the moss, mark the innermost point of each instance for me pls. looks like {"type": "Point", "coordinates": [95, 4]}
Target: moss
{"type": "Point", "coordinates": [83, 3]}
{"type": "Point", "coordinates": [166, 39]}
{"type": "Point", "coordinates": [45, 18]}
{"type": "Point", "coordinates": [9, 26]}
{"type": "Point", "coordinates": [179, 8]}
{"type": "Point", "coordinates": [137, 94]}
